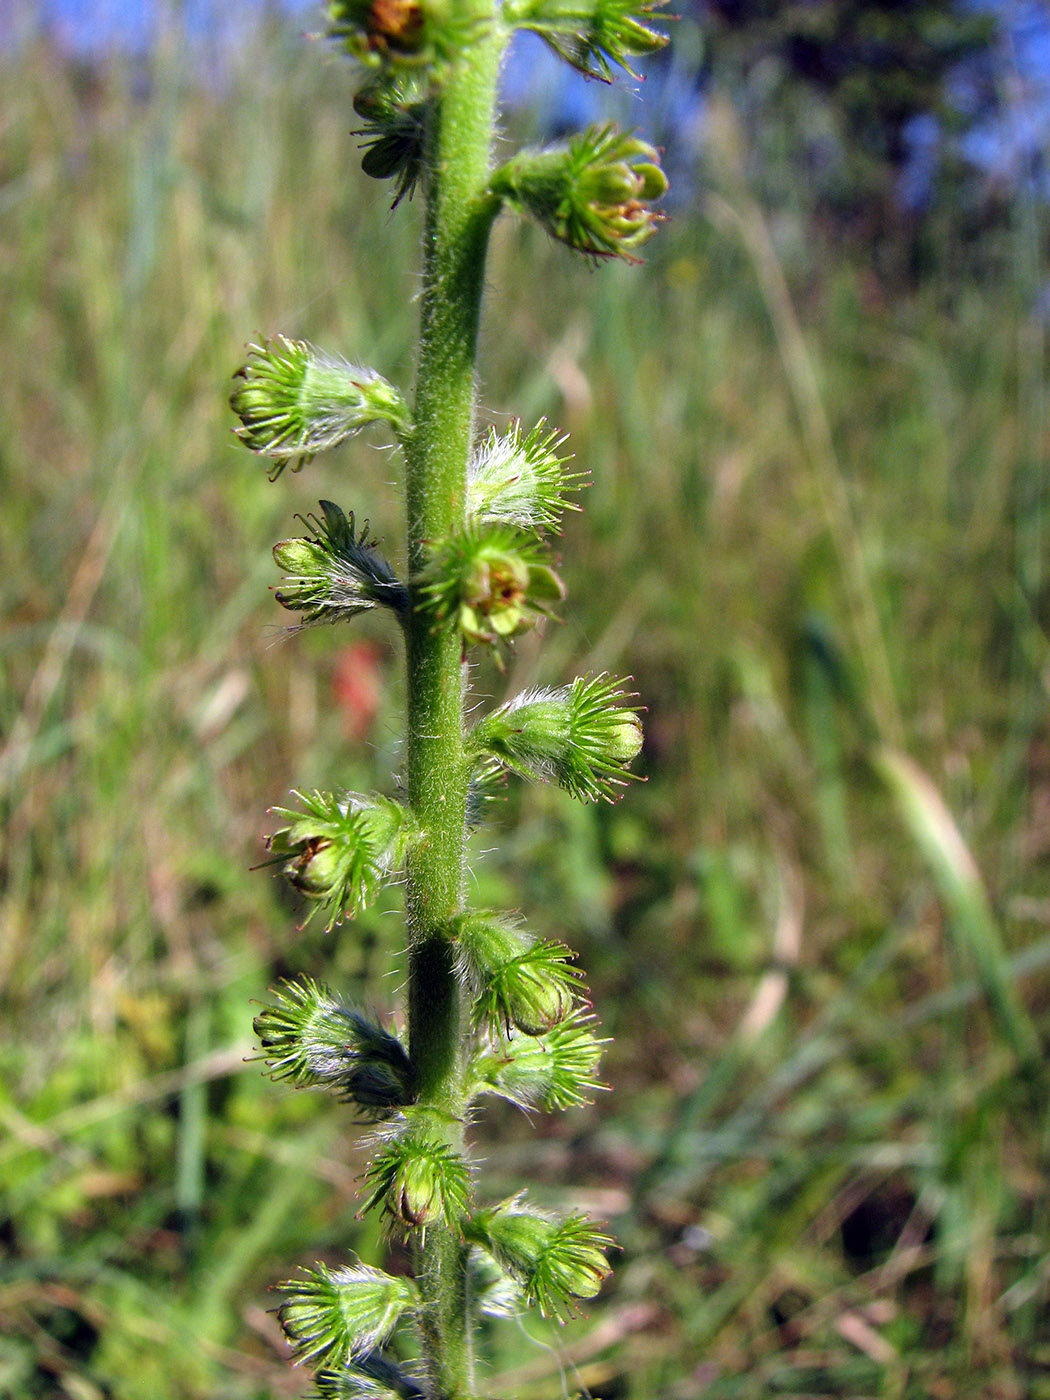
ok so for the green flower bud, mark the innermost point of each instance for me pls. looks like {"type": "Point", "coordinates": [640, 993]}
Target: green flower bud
{"type": "Point", "coordinates": [395, 34]}
{"type": "Point", "coordinates": [394, 109]}
{"type": "Point", "coordinates": [556, 1070]}
{"type": "Point", "coordinates": [553, 1261]}
{"type": "Point", "coordinates": [336, 573]}
{"type": "Point", "coordinates": [294, 401]}
{"type": "Point", "coordinates": [333, 1316]}
{"type": "Point", "coordinates": [341, 848]}
{"type": "Point", "coordinates": [592, 193]}
{"type": "Point", "coordinates": [516, 980]}
{"type": "Point", "coordinates": [580, 736]}
{"type": "Point", "coordinates": [310, 1037]}
{"type": "Point", "coordinates": [520, 480]}
{"type": "Point", "coordinates": [493, 584]}
{"type": "Point", "coordinates": [592, 35]}
{"type": "Point", "coordinates": [415, 1177]}
{"type": "Point", "coordinates": [373, 1376]}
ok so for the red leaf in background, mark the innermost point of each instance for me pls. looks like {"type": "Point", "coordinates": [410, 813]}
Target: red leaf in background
{"type": "Point", "coordinates": [357, 687]}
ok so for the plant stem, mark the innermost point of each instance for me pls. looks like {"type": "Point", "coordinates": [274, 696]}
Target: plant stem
{"type": "Point", "coordinates": [459, 214]}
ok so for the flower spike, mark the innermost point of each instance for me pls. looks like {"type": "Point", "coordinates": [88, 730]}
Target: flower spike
{"type": "Point", "coordinates": [295, 401]}
{"type": "Point", "coordinates": [593, 193]}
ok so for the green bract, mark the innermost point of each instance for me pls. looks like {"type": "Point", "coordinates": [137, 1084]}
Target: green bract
{"type": "Point", "coordinates": [294, 401]}
{"type": "Point", "coordinates": [594, 192]}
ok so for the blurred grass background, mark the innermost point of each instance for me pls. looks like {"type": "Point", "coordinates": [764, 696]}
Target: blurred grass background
{"type": "Point", "coordinates": [818, 934]}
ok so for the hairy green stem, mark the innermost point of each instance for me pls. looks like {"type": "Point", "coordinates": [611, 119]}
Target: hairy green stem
{"type": "Point", "coordinates": [459, 214]}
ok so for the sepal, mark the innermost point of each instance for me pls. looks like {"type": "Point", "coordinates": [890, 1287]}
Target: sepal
{"type": "Point", "coordinates": [592, 35]}
{"type": "Point", "coordinates": [581, 736]}
{"type": "Point", "coordinates": [332, 1316]}
{"type": "Point", "coordinates": [492, 583]}
{"type": "Point", "coordinates": [336, 572]}
{"type": "Point", "coordinates": [295, 401]}
{"type": "Point", "coordinates": [516, 980]}
{"type": "Point", "coordinates": [394, 109]}
{"type": "Point", "coordinates": [311, 1038]}
{"type": "Point", "coordinates": [519, 479]}
{"type": "Point", "coordinates": [341, 848]}
{"type": "Point", "coordinates": [593, 193]}
{"type": "Point", "coordinates": [553, 1261]}
{"type": "Point", "coordinates": [415, 1177]}
{"type": "Point", "coordinates": [556, 1070]}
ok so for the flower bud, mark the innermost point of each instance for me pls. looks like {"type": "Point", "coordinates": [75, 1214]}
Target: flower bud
{"type": "Point", "coordinates": [592, 35]}
{"type": "Point", "coordinates": [554, 1261]}
{"type": "Point", "coordinates": [309, 1036]}
{"type": "Point", "coordinates": [493, 583]}
{"type": "Point", "coordinates": [394, 110]}
{"type": "Point", "coordinates": [341, 848]}
{"type": "Point", "coordinates": [415, 1177]}
{"type": "Point", "coordinates": [295, 401]}
{"type": "Point", "coordinates": [399, 34]}
{"type": "Point", "coordinates": [581, 736]}
{"type": "Point", "coordinates": [555, 1070]}
{"type": "Point", "coordinates": [335, 1315]}
{"type": "Point", "coordinates": [520, 480]}
{"type": "Point", "coordinates": [592, 193]}
{"type": "Point", "coordinates": [337, 572]}
{"type": "Point", "coordinates": [516, 980]}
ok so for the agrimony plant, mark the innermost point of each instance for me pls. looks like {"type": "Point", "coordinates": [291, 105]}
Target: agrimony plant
{"type": "Point", "coordinates": [491, 1009]}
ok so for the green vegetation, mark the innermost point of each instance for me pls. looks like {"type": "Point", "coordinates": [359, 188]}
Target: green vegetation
{"type": "Point", "coordinates": [816, 537]}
